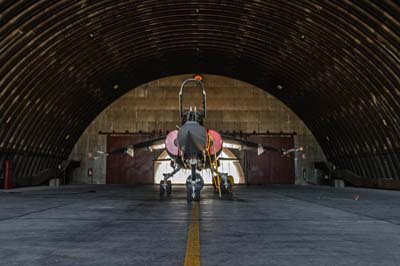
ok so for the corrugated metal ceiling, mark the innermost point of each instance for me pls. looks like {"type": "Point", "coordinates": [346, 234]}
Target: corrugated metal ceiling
{"type": "Point", "coordinates": [335, 63]}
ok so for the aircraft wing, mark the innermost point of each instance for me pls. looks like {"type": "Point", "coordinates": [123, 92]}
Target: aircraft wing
{"type": "Point", "coordinates": [149, 145]}
{"type": "Point", "coordinates": [240, 144]}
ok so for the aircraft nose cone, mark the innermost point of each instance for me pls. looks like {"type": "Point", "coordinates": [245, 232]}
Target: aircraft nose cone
{"type": "Point", "coordinates": [192, 138]}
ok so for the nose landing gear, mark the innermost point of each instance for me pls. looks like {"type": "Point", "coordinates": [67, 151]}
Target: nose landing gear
{"type": "Point", "coordinates": [194, 184]}
{"type": "Point", "coordinates": [165, 187]}
{"type": "Point", "coordinates": [193, 187]}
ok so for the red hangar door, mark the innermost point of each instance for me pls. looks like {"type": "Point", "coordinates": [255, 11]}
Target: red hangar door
{"type": "Point", "coordinates": [123, 169]}
{"type": "Point", "coordinates": [271, 168]}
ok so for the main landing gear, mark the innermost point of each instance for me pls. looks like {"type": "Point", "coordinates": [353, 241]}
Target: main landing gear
{"type": "Point", "coordinates": [165, 187]}
{"type": "Point", "coordinates": [223, 183]}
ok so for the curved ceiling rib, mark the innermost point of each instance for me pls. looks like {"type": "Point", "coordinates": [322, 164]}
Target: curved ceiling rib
{"type": "Point", "coordinates": [335, 63]}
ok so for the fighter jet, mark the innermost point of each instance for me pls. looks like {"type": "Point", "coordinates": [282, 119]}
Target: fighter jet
{"type": "Point", "coordinates": [192, 146]}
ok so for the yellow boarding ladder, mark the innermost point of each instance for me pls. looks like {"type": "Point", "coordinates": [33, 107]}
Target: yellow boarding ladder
{"type": "Point", "coordinates": [214, 165]}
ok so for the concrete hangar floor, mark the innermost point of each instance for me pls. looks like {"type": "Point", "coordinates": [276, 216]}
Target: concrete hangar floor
{"type": "Point", "coordinates": [121, 225]}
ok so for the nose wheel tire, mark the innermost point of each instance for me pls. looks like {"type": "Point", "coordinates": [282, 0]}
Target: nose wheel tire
{"type": "Point", "coordinates": [190, 197]}
{"type": "Point", "coordinates": [197, 195]}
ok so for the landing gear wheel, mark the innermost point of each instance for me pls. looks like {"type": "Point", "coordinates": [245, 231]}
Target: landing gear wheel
{"type": "Point", "coordinates": [189, 195]}
{"type": "Point", "coordinates": [229, 193]}
{"type": "Point", "coordinates": [223, 189]}
{"type": "Point", "coordinates": [226, 190]}
{"type": "Point", "coordinates": [169, 187]}
{"type": "Point", "coordinates": [231, 182]}
{"type": "Point", "coordinates": [162, 189]}
{"type": "Point", "coordinates": [197, 195]}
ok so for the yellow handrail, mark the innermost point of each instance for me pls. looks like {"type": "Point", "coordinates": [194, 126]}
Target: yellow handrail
{"type": "Point", "coordinates": [214, 164]}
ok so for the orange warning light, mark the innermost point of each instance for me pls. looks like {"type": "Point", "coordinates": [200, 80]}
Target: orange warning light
{"type": "Point", "coordinates": [198, 77]}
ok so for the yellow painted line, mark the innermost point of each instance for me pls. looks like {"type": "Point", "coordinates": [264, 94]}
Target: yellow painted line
{"type": "Point", "coordinates": [192, 257]}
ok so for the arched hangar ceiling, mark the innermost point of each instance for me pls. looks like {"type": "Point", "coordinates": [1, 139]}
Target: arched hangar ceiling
{"type": "Point", "coordinates": [335, 63]}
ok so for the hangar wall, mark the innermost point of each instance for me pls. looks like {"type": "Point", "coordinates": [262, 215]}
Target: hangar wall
{"type": "Point", "coordinates": [232, 105]}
